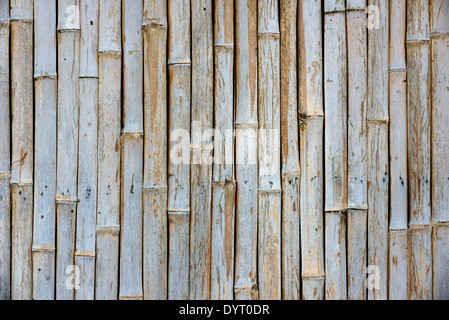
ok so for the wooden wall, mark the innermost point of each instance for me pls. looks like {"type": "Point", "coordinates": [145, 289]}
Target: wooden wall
{"type": "Point", "coordinates": [224, 149]}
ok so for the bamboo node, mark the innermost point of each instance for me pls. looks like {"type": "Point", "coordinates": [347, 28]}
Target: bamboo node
{"type": "Point", "coordinates": [43, 248]}
{"type": "Point", "coordinates": [112, 230]}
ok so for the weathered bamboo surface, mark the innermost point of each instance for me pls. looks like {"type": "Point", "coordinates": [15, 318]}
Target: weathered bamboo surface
{"type": "Point", "coordinates": [224, 149]}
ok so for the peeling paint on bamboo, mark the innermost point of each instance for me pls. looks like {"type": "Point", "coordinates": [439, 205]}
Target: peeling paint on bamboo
{"type": "Point", "coordinates": [223, 207]}
{"type": "Point", "coordinates": [398, 286]}
{"type": "Point", "coordinates": [246, 123]}
{"type": "Point", "coordinates": [5, 154]}
{"type": "Point", "coordinates": [155, 223]}
{"type": "Point", "coordinates": [291, 281]}
{"type": "Point", "coordinates": [357, 222]}
{"type": "Point", "coordinates": [269, 228]}
{"type": "Point", "coordinates": [440, 259]}
{"type": "Point", "coordinates": [89, 38]}
{"type": "Point", "coordinates": [311, 114]}
{"type": "Point", "coordinates": [201, 171]}
{"type": "Point", "coordinates": [109, 171]}
{"type": "Point", "coordinates": [421, 263]}
{"type": "Point", "coordinates": [22, 148]}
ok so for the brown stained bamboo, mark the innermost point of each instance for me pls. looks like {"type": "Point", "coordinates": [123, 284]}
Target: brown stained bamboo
{"type": "Point", "coordinates": [179, 100]}
{"type": "Point", "coordinates": [311, 114]}
{"type": "Point", "coordinates": [378, 164]}
{"type": "Point", "coordinates": [201, 171]}
{"type": "Point", "coordinates": [155, 151]}
{"type": "Point", "coordinates": [223, 206]}
{"type": "Point", "coordinates": [439, 33]}
{"type": "Point", "coordinates": [269, 197]}
{"type": "Point", "coordinates": [45, 85]}
{"type": "Point", "coordinates": [356, 264]}
{"type": "Point", "coordinates": [335, 146]}
{"type": "Point", "coordinates": [131, 263]}
{"type": "Point", "coordinates": [22, 140]}
{"type": "Point", "coordinates": [398, 267]}
{"type": "Point", "coordinates": [357, 148]}
{"type": "Point", "coordinates": [5, 155]}
{"type": "Point", "coordinates": [398, 263]}
{"type": "Point", "coordinates": [246, 124]}
{"type": "Point", "coordinates": [109, 169]}
{"type": "Point", "coordinates": [87, 157]}
{"type": "Point", "coordinates": [291, 289]}
{"type": "Point", "coordinates": [419, 148]}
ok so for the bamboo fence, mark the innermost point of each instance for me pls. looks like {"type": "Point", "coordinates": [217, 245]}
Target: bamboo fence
{"type": "Point", "coordinates": [224, 149]}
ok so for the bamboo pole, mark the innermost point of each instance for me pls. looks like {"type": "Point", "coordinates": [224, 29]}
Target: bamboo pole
{"type": "Point", "coordinates": [67, 156]}
{"type": "Point", "coordinates": [439, 34]}
{"type": "Point", "coordinates": [155, 151]}
{"type": "Point", "coordinates": [357, 148]}
{"type": "Point", "coordinates": [398, 253]}
{"type": "Point", "coordinates": [291, 285]}
{"type": "Point", "coordinates": [5, 155]}
{"type": "Point", "coordinates": [44, 233]}
{"type": "Point", "coordinates": [335, 146]}
{"type": "Point", "coordinates": [311, 116]}
{"type": "Point", "coordinates": [378, 161]}
{"type": "Point", "coordinates": [21, 16]}
{"type": "Point", "coordinates": [179, 100]}
{"type": "Point", "coordinates": [109, 125]}
{"type": "Point", "coordinates": [131, 263]}
{"type": "Point", "coordinates": [201, 171]}
{"type": "Point", "coordinates": [223, 206]}
{"type": "Point", "coordinates": [419, 148]}
{"type": "Point", "coordinates": [246, 124]}
{"type": "Point", "coordinates": [87, 158]}
{"type": "Point", "coordinates": [269, 197]}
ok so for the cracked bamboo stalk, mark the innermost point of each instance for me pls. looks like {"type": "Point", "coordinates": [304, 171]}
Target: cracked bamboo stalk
{"type": "Point", "coordinates": [357, 148]}
{"type": "Point", "coordinates": [223, 206]}
{"type": "Point", "coordinates": [419, 148]}
{"type": "Point", "coordinates": [44, 233]}
{"type": "Point", "coordinates": [131, 285]}
{"type": "Point", "coordinates": [87, 158]}
{"type": "Point", "coordinates": [109, 173]}
{"type": "Point", "coordinates": [155, 151]}
{"type": "Point", "coordinates": [22, 148]}
{"type": "Point", "coordinates": [291, 281]}
{"type": "Point", "coordinates": [201, 171]}
{"type": "Point", "coordinates": [179, 100]}
{"type": "Point", "coordinates": [67, 151]}
{"type": "Point", "coordinates": [5, 154]}
{"type": "Point", "coordinates": [378, 161]}
{"type": "Point", "coordinates": [398, 253]}
{"type": "Point", "coordinates": [246, 124]}
{"type": "Point", "coordinates": [269, 196]}
{"type": "Point", "coordinates": [335, 146]}
{"type": "Point", "coordinates": [439, 34]}
{"type": "Point", "coordinates": [311, 116]}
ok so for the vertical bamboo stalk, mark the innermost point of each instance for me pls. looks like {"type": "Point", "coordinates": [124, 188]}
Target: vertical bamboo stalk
{"type": "Point", "coordinates": [87, 158]}
{"type": "Point", "coordinates": [131, 285]}
{"type": "Point", "coordinates": [246, 124]}
{"type": "Point", "coordinates": [179, 68]}
{"type": "Point", "coordinates": [5, 155]}
{"type": "Point", "coordinates": [109, 173]}
{"type": "Point", "coordinates": [67, 156]}
{"type": "Point", "coordinates": [291, 289]}
{"type": "Point", "coordinates": [155, 151]}
{"type": "Point", "coordinates": [439, 34]}
{"type": "Point", "coordinates": [335, 137]}
{"type": "Point", "coordinates": [22, 148]}
{"type": "Point", "coordinates": [378, 161]}
{"type": "Point", "coordinates": [419, 148]}
{"type": "Point", "coordinates": [311, 114]}
{"type": "Point", "coordinates": [269, 197]}
{"type": "Point", "coordinates": [398, 260]}
{"type": "Point", "coordinates": [201, 171]}
{"type": "Point", "coordinates": [44, 233]}
{"type": "Point", "coordinates": [357, 148]}
{"type": "Point", "coordinates": [223, 207]}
